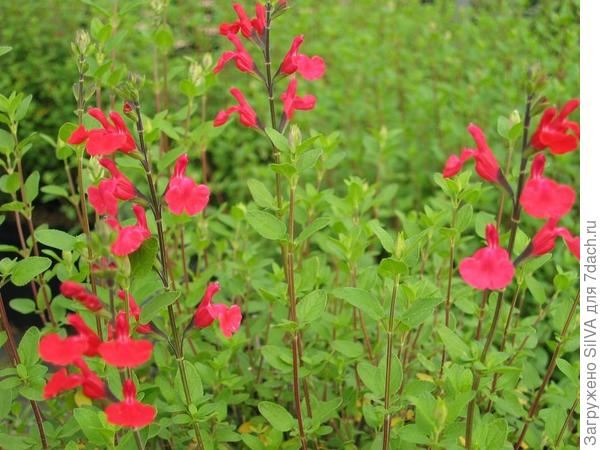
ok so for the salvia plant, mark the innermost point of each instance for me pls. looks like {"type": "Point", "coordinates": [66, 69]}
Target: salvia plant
{"type": "Point", "coordinates": [313, 316]}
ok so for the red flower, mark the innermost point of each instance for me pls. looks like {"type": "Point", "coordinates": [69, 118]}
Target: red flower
{"type": "Point", "coordinates": [292, 102]}
{"type": "Point", "coordinates": [93, 386]}
{"type": "Point", "coordinates": [244, 24]}
{"type": "Point", "coordinates": [183, 194]}
{"type": "Point", "coordinates": [544, 240]}
{"type": "Point", "coordinates": [130, 238]}
{"type": "Point", "coordinates": [135, 311]}
{"type": "Point", "coordinates": [229, 318]}
{"type": "Point", "coordinates": [76, 291]}
{"type": "Point", "coordinates": [124, 188]}
{"type": "Point", "coordinates": [130, 412]}
{"type": "Point", "coordinates": [86, 333]}
{"type": "Point", "coordinates": [103, 199]}
{"type": "Point", "coordinates": [61, 381]}
{"type": "Point", "coordinates": [61, 351]}
{"type": "Point", "coordinates": [490, 267]}
{"type": "Point", "coordinates": [202, 317]}
{"type": "Point", "coordinates": [556, 132]}
{"type": "Point", "coordinates": [310, 68]}
{"type": "Point", "coordinates": [248, 116]}
{"type": "Point", "coordinates": [121, 350]}
{"type": "Point", "coordinates": [486, 164]}
{"type": "Point", "coordinates": [544, 198]}
{"type": "Point", "coordinates": [243, 59]}
{"type": "Point", "coordinates": [106, 140]}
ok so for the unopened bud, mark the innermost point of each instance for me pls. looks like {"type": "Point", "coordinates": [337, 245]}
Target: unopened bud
{"type": "Point", "coordinates": [82, 40]}
{"type": "Point", "coordinates": [295, 136]}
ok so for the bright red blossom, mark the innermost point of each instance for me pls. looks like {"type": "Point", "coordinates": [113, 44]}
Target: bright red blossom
{"type": "Point", "coordinates": [110, 138]}
{"type": "Point", "coordinates": [123, 351]}
{"type": "Point", "coordinates": [130, 412]}
{"type": "Point", "coordinates": [486, 164]}
{"type": "Point", "coordinates": [243, 59]}
{"type": "Point", "coordinates": [490, 267]}
{"type": "Point", "coordinates": [202, 318]}
{"type": "Point", "coordinates": [61, 351]}
{"type": "Point", "coordinates": [229, 318]}
{"type": "Point", "coordinates": [248, 116]}
{"type": "Point", "coordinates": [244, 24]}
{"type": "Point", "coordinates": [135, 311]}
{"type": "Point", "coordinates": [130, 238]}
{"type": "Point", "coordinates": [76, 291]}
{"type": "Point", "coordinates": [309, 68]}
{"type": "Point", "coordinates": [292, 102]}
{"type": "Point", "coordinates": [183, 195]}
{"type": "Point", "coordinates": [124, 188]}
{"type": "Point", "coordinates": [59, 382]}
{"type": "Point", "coordinates": [545, 239]}
{"type": "Point", "coordinates": [556, 132]}
{"type": "Point", "coordinates": [85, 333]}
{"type": "Point", "coordinates": [93, 387]}
{"type": "Point", "coordinates": [544, 198]}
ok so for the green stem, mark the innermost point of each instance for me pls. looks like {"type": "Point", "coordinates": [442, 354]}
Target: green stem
{"type": "Point", "coordinates": [549, 371]}
{"type": "Point", "coordinates": [448, 302]}
{"type": "Point", "coordinates": [388, 366]}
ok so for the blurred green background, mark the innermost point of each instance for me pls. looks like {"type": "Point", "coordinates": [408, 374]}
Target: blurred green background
{"type": "Point", "coordinates": [423, 70]}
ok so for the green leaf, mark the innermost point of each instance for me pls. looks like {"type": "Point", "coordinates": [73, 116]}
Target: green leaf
{"type": "Point", "coordinates": [391, 267]}
{"type": "Point", "coordinates": [464, 216]}
{"type": "Point", "coordinates": [350, 349]}
{"type": "Point", "coordinates": [266, 224]}
{"type": "Point", "coordinates": [277, 416]}
{"type": "Point", "coordinates": [369, 374]}
{"type": "Point", "coordinates": [4, 49]}
{"type": "Point", "coordinates": [10, 183]}
{"type": "Point", "coordinates": [28, 347]}
{"type": "Point", "coordinates": [536, 288]}
{"type": "Point", "coordinates": [27, 269]}
{"type": "Point", "coordinates": [22, 305]}
{"type": "Point", "coordinates": [455, 346]}
{"type": "Point", "coordinates": [566, 368]}
{"type": "Point", "coordinates": [361, 299]}
{"type": "Point", "coordinates": [261, 194]}
{"type": "Point", "coordinates": [163, 37]}
{"type": "Point", "coordinates": [279, 140]}
{"type": "Point", "coordinates": [23, 107]}
{"type": "Point", "coordinates": [142, 260]}
{"type": "Point", "coordinates": [384, 238]}
{"type": "Point", "coordinates": [96, 430]}
{"type": "Point", "coordinates": [308, 159]}
{"type": "Point", "coordinates": [32, 186]}
{"type": "Point", "coordinates": [316, 225]}
{"type": "Point", "coordinates": [312, 306]}
{"type": "Point", "coordinates": [56, 239]}
{"type": "Point", "coordinates": [496, 434]}
{"type": "Point", "coordinates": [153, 307]}
{"type": "Point", "coordinates": [419, 311]}
{"type": "Point", "coordinates": [58, 191]}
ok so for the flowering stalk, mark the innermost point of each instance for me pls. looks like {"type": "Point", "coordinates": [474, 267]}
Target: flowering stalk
{"type": "Point", "coordinates": [16, 361]}
{"type": "Point", "coordinates": [533, 409]}
{"type": "Point", "coordinates": [157, 212]}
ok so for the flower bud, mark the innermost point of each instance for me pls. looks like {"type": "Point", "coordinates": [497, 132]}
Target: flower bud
{"type": "Point", "coordinates": [82, 40]}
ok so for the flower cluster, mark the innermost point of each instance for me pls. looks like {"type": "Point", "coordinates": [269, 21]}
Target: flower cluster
{"type": "Point", "coordinates": [541, 197]}
{"type": "Point", "coordinates": [183, 195]}
{"type": "Point", "coordinates": [256, 31]}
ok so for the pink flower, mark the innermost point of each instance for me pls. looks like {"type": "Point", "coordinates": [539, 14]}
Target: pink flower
{"type": "Point", "coordinates": [202, 317]}
{"type": "Point", "coordinates": [556, 132]}
{"type": "Point", "coordinates": [244, 24]}
{"type": "Point", "coordinates": [130, 412]}
{"type": "Point", "coordinates": [243, 59]}
{"type": "Point", "coordinates": [490, 267]}
{"type": "Point", "coordinates": [183, 195]}
{"type": "Point", "coordinates": [292, 102]}
{"type": "Point", "coordinates": [124, 188]}
{"type": "Point", "coordinates": [544, 240]}
{"type": "Point", "coordinates": [110, 138]}
{"type": "Point", "coordinates": [229, 318]}
{"type": "Point", "coordinates": [130, 238]}
{"type": "Point", "coordinates": [309, 68]}
{"type": "Point", "coordinates": [486, 164]}
{"type": "Point", "coordinates": [135, 311]}
{"type": "Point", "coordinates": [121, 350]}
{"type": "Point", "coordinates": [61, 351]}
{"type": "Point", "coordinates": [248, 116]}
{"type": "Point", "coordinates": [544, 198]}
